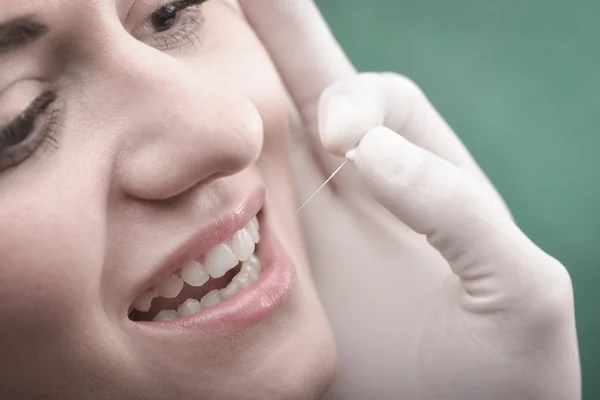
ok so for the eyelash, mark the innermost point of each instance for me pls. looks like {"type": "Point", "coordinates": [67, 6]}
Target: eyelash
{"type": "Point", "coordinates": [18, 143]}
{"type": "Point", "coordinates": [16, 146]}
{"type": "Point", "coordinates": [186, 30]}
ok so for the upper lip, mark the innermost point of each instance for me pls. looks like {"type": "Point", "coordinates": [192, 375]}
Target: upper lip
{"type": "Point", "coordinates": [208, 236]}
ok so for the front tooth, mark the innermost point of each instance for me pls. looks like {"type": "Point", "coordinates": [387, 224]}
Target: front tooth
{"type": "Point", "coordinates": [194, 274]}
{"type": "Point", "coordinates": [253, 230]}
{"type": "Point", "coordinates": [212, 298]}
{"type": "Point", "coordinates": [230, 290]}
{"type": "Point", "coordinates": [189, 307]}
{"type": "Point", "coordinates": [170, 287]}
{"type": "Point", "coordinates": [144, 302]}
{"type": "Point", "coordinates": [252, 265]}
{"type": "Point", "coordinates": [166, 315]}
{"type": "Point", "coordinates": [242, 244]}
{"type": "Point", "coordinates": [219, 260]}
{"type": "Point", "coordinates": [254, 222]}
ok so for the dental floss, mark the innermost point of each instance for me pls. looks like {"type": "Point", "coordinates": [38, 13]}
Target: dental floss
{"type": "Point", "coordinates": [324, 184]}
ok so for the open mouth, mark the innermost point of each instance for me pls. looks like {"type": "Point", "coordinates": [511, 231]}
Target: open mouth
{"type": "Point", "coordinates": [202, 283]}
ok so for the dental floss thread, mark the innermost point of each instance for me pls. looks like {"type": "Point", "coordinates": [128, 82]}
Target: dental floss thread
{"type": "Point", "coordinates": [348, 159]}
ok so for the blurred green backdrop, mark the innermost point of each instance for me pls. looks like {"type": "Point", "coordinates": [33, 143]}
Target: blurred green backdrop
{"type": "Point", "coordinates": [519, 81]}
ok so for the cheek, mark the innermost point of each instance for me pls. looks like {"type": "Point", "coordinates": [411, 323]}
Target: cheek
{"type": "Point", "coordinates": [51, 252]}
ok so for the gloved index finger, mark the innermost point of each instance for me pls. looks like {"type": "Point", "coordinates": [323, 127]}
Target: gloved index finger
{"type": "Point", "coordinates": [302, 47]}
{"type": "Point", "coordinates": [484, 248]}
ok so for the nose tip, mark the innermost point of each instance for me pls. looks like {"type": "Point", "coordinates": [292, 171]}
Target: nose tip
{"type": "Point", "coordinates": [193, 141]}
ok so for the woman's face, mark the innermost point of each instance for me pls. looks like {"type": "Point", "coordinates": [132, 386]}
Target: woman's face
{"type": "Point", "coordinates": [136, 140]}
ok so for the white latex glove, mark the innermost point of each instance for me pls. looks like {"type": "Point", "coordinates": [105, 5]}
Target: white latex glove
{"type": "Point", "coordinates": [432, 290]}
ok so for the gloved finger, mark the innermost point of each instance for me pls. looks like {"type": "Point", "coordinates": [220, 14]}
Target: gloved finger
{"type": "Point", "coordinates": [494, 260]}
{"type": "Point", "coordinates": [352, 106]}
{"type": "Point", "coordinates": [306, 54]}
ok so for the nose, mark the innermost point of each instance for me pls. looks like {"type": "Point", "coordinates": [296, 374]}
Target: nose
{"type": "Point", "coordinates": [181, 126]}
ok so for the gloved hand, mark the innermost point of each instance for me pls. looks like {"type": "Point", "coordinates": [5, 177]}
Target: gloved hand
{"type": "Point", "coordinates": [432, 290]}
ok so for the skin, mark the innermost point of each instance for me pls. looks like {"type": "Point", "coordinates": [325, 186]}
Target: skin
{"type": "Point", "coordinates": [143, 159]}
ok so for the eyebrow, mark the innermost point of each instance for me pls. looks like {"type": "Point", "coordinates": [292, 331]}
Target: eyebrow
{"type": "Point", "coordinates": [19, 33]}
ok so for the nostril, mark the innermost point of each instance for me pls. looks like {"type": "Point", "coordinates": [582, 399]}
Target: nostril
{"type": "Point", "coordinates": [213, 132]}
{"type": "Point", "coordinates": [168, 164]}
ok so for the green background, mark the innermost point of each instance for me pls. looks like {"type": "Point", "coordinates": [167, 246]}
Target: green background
{"type": "Point", "coordinates": [519, 81]}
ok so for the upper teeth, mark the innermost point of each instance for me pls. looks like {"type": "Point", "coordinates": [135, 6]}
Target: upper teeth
{"type": "Point", "coordinates": [170, 287]}
{"type": "Point", "coordinates": [220, 259]}
{"type": "Point", "coordinates": [215, 263]}
{"type": "Point", "coordinates": [194, 274]}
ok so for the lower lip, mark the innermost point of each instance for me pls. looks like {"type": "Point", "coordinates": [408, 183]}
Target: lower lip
{"type": "Point", "coordinates": [248, 306]}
